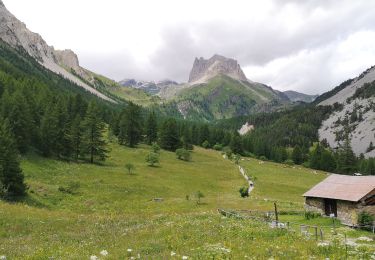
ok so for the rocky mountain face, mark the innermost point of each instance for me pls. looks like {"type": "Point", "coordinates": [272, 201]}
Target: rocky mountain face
{"type": "Point", "coordinates": [354, 115]}
{"type": "Point", "coordinates": [16, 34]}
{"type": "Point", "coordinates": [203, 70]}
{"type": "Point", "coordinates": [295, 96]}
{"type": "Point", "coordinates": [150, 87]}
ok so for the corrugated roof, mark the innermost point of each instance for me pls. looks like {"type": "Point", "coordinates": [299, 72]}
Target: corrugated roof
{"type": "Point", "coordinates": [343, 187]}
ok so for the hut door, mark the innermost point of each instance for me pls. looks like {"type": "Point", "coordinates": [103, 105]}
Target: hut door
{"type": "Point", "coordinates": [330, 207]}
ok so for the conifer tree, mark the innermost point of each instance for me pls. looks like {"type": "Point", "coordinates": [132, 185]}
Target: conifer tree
{"type": "Point", "coordinates": [11, 176]}
{"type": "Point", "coordinates": [169, 138]}
{"type": "Point", "coordinates": [346, 161]}
{"type": "Point", "coordinates": [76, 137]}
{"type": "Point", "coordinates": [236, 143]}
{"type": "Point", "coordinates": [297, 155]}
{"type": "Point", "coordinates": [130, 132]}
{"type": "Point", "coordinates": [151, 128]}
{"type": "Point", "coordinates": [94, 144]}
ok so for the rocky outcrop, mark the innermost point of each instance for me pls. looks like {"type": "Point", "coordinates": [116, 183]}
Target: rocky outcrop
{"type": "Point", "coordinates": [354, 116]}
{"type": "Point", "coordinates": [16, 34]}
{"type": "Point", "coordinates": [203, 70]}
{"type": "Point", "coordinates": [246, 128]}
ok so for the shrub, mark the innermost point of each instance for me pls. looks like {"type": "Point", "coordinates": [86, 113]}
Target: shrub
{"type": "Point", "coordinates": [263, 158]}
{"type": "Point", "coordinates": [199, 195]}
{"type": "Point", "coordinates": [244, 192]}
{"type": "Point", "coordinates": [71, 188]}
{"type": "Point", "coordinates": [218, 147]}
{"type": "Point", "coordinates": [365, 219]}
{"type": "Point", "coordinates": [311, 215]}
{"type": "Point", "coordinates": [152, 158]}
{"type": "Point", "coordinates": [289, 162]}
{"type": "Point", "coordinates": [183, 154]}
{"type": "Point", "coordinates": [228, 152]}
{"type": "Point", "coordinates": [236, 158]}
{"type": "Point", "coordinates": [155, 147]}
{"type": "Point", "coordinates": [130, 167]}
{"type": "Point", "coordinates": [206, 144]}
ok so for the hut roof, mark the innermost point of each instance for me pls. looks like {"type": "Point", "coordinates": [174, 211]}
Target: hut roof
{"type": "Point", "coordinates": [343, 187]}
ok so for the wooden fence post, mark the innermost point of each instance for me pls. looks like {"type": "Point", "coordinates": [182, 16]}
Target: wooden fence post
{"type": "Point", "coordinates": [321, 234]}
{"type": "Point", "coordinates": [316, 233]}
{"type": "Point", "coordinates": [276, 214]}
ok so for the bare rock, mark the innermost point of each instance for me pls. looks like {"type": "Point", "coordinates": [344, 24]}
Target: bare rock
{"type": "Point", "coordinates": [203, 70]}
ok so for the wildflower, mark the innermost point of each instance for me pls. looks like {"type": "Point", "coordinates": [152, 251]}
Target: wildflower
{"type": "Point", "coordinates": [323, 244]}
{"type": "Point", "coordinates": [94, 257]}
{"type": "Point", "coordinates": [3, 257]}
{"type": "Point", "coordinates": [130, 250]}
{"type": "Point", "coordinates": [367, 239]}
{"type": "Point", "coordinates": [104, 252]}
{"type": "Point", "coordinates": [173, 253]}
{"type": "Point", "coordinates": [185, 257]}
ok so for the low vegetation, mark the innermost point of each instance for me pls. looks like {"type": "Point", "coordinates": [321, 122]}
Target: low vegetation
{"type": "Point", "coordinates": [76, 210]}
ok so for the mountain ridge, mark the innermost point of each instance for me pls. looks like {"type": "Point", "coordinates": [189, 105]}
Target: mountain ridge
{"type": "Point", "coordinates": [16, 34]}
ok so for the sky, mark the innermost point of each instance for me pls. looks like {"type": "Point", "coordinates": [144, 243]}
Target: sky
{"type": "Point", "coordinates": [308, 46]}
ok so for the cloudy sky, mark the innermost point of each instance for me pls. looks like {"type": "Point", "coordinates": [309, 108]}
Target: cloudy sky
{"type": "Point", "coordinates": [309, 46]}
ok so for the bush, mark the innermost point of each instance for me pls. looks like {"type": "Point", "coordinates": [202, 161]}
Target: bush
{"type": "Point", "coordinates": [228, 152]}
{"type": "Point", "coordinates": [155, 147]}
{"type": "Point", "coordinates": [71, 188]}
{"type": "Point", "coordinates": [218, 147]}
{"type": "Point", "coordinates": [311, 215]}
{"type": "Point", "coordinates": [244, 192]}
{"type": "Point", "coordinates": [289, 162]}
{"type": "Point", "coordinates": [183, 154]}
{"type": "Point", "coordinates": [152, 158]}
{"type": "Point", "coordinates": [199, 195]}
{"type": "Point", "coordinates": [236, 158]}
{"type": "Point", "coordinates": [365, 219]}
{"type": "Point", "coordinates": [263, 158]}
{"type": "Point", "coordinates": [206, 144]}
{"type": "Point", "coordinates": [130, 167]}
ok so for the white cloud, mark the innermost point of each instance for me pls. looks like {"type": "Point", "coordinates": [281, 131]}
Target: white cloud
{"type": "Point", "coordinates": [307, 45]}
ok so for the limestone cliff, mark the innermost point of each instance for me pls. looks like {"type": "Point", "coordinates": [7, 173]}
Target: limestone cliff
{"type": "Point", "coordinates": [16, 34]}
{"type": "Point", "coordinates": [203, 70]}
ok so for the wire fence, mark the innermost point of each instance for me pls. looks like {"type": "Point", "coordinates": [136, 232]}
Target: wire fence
{"type": "Point", "coordinates": [319, 232]}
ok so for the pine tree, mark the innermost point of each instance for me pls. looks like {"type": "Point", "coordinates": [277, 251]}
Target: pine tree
{"type": "Point", "coordinates": [316, 156]}
{"type": "Point", "coordinates": [49, 132]}
{"type": "Point", "coordinates": [297, 155]}
{"type": "Point", "coordinates": [94, 144]}
{"type": "Point", "coordinates": [236, 143]}
{"type": "Point", "coordinates": [11, 176]}
{"type": "Point", "coordinates": [151, 128]}
{"type": "Point", "coordinates": [76, 137]}
{"type": "Point", "coordinates": [169, 138]}
{"type": "Point", "coordinates": [346, 162]}
{"type": "Point", "coordinates": [130, 126]}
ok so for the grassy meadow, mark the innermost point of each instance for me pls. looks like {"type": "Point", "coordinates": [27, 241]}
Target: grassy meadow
{"type": "Point", "coordinates": [74, 211]}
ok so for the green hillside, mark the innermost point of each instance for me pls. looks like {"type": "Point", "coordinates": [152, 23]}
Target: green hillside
{"type": "Point", "coordinates": [74, 211]}
{"type": "Point", "coordinates": [224, 97]}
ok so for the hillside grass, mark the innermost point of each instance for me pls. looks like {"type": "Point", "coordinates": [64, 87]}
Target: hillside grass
{"type": "Point", "coordinates": [114, 211]}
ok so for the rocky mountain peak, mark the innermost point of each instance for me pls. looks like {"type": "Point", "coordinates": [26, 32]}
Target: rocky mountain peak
{"type": "Point", "coordinates": [204, 70]}
{"type": "Point", "coordinates": [1, 3]}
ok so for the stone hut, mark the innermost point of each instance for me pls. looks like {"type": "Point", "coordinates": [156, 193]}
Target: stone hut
{"type": "Point", "coordinates": [344, 196]}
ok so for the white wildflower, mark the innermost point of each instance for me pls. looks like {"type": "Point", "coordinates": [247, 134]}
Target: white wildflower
{"type": "Point", "coordinates": [130, 250]}
{"type": "Point", "coordinates": [94, 257]}
{"type": "Point", "coordinates": [367, 239]}
{"type": "Point", "coordinates": [104, 252]}
{"type": "Point", "coordinates": [185, 257]}
{"type": "Point", "coordinates": [3, 257]}
{"type": "Point", "coordinates": [323, 244]}
{"type": "Point", "coordinates": [173, 253]}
